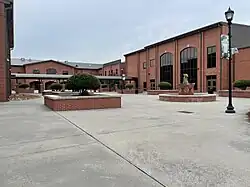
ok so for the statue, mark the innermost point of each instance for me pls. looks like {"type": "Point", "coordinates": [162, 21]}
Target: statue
{"type": "Point", "coordinates": [186, 88]}
{"type": "Point", "coordinates": [185, 79]}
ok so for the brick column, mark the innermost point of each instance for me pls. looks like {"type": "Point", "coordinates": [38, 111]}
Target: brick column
{"type": "Point", "coordinates": [3, 86]}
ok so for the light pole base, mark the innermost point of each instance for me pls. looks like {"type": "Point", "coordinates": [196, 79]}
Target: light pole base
{"type": "Point", "coordinates": [230, 110]}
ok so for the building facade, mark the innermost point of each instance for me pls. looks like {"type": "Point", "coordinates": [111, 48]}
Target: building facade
{"type": "Point", "coordinates": [30, 66]}
{"type": "Point", "coordinates": [197, 53]}
{"type": "Point", "coordinates": [6, 44]}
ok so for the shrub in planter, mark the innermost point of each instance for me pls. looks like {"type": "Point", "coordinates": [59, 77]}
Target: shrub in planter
{"type": "Point", "coordinates": [55, 86]}
{"type": "Point", "coordinates": [165, 86]}
{"type": "Point", "coordinates": [24, 86]}
{"type": "Point", "coordinates": [242, 84]}
{"type": "Point", "coordinates": [129, 86]}
{"type": "Point", "coordinates": [83, 82]}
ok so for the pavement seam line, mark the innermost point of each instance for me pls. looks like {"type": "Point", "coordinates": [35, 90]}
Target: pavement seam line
{"type": "Point", "coordinates": [111, 149]}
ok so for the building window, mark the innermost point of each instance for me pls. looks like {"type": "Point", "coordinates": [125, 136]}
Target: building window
{"type": "Point", "coordinates": [211, 57]}
{"type": "Point", "coordinates": [144, 65]}
{"type": "Point", "coordinates": [152, 62]}
{"type": "Point", "coordinates": [36, 71]}
{"type": "Point", "coordinates": [105, 73]}
{"type": "Point", "coordinates": [166, 68]}
{"type": "Point", "coordinates": [189, 64]}
{"type": "Point", "coordinates": [111, 72]}
{"type": "Point", "coordinates": [51, 71]}
{"type": "Point", "coordinates": [116, 72]}
{"type": "Point", "coordinates": [65, 72]}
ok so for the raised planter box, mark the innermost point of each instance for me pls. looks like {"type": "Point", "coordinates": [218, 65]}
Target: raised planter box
{"type": "Point", "coordinates": [104, 89]}
{"type": "Point", "coordinates": [157, 92]}
{"type": "Point", "coordinates": [129, 91]}
{"type": "Point", "coordinates": [235, 93]}
{"type": "Point", "coordinates": [188, 98]}
{"type": "Point", "coordinates": [65, 103]}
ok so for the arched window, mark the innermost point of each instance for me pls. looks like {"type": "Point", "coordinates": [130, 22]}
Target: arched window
{"type": "Point", "coordinates": [51, 71]}
{"type": "Point", "coordinates": [166, 69]}
{"type": "Point", "coordinates": [188, 60]}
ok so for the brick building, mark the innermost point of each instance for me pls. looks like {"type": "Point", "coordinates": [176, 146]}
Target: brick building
{"type": "Point", "coordinates": [197, 53]}
{"type": "Point", "coordinates": [6, 44]}
{"type": "Point", "coordinates": [31, 66]}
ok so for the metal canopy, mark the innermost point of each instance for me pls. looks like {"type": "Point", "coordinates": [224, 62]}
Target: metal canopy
{"type": "Point", "coordinates": [57, 76]}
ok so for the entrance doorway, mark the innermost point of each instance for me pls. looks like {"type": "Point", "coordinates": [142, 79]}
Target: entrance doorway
{"type": "Point", "coordinates": [211, 83]}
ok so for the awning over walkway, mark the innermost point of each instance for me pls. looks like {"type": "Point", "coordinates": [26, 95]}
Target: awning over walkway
{"type": "Point", "coordinates": [56, 76]}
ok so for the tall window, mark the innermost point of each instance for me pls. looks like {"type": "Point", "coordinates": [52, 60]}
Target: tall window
{"type": "Point", "coordinates": [211, 57]}
{"type": "Point", "coordinates": [105, 73]}
{"type": "Point", "coordinates": [51, 71]}
{"type": "Point", "coordinates": [166, 69]}
{"type": "Point", "coordinates": [144, 65]}
{"type": "Point", "coordinates": [189, 64]}
{"type": "Point", "coordinates": [116, 71]}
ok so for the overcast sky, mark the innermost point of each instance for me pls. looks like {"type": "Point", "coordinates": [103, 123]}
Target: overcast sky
{"type": "Point", "coordinates": [104, 30]}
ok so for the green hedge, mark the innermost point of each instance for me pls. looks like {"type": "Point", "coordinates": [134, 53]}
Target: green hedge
{"type": "Point", "coordinates": [24, 86]}
{"type": "Point", "coordinates": [165, 86]}
{"type": "Point", "coordinates": [129, 86]}
{"type": "Point", "coordinates": [55, 86]}
{"type": "Point", "coordinates": [242, 84]}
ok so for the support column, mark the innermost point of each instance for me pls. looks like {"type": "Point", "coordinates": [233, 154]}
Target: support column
{"type": "Point", "coordinates": [3, 80]}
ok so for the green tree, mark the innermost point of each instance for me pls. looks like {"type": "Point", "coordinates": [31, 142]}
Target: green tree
{"type": "Point", "coordinates": [83, 82]}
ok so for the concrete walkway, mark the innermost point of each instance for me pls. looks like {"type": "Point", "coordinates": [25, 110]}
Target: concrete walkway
{"type": "Point", "coordinates": [145, 143]}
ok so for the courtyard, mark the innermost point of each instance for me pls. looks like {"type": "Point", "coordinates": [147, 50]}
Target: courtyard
{"type": "Point", "coordinates": [145, 143]}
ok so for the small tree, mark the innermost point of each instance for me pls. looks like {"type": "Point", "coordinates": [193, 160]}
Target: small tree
{"type": "Point", "coordinates": [56, 86]}
{"type": "Point", "coordinates": [129, 86]}
{"type": "Point", "coordinates": [165, 86]}
{"type": "Point", "coordinates": [242, 84]}
{"type": "Point", "coordinates": [82, 83]}
{"type": "Point", "coordinates": [24, 86]}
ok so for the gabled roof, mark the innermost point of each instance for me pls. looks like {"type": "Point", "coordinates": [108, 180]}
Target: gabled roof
{"type": "Point", "coordinates": [78, 65]}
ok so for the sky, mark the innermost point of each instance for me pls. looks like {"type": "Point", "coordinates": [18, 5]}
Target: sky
{"type": "Point", "coordinates": [104, 30]}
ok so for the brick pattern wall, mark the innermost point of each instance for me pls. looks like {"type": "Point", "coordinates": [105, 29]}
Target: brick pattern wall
{"type": "Point", "coordinates": [83, 103]}
{"type": "Point", "coordinates": [157, 92]}
{"type": "Point", "coordinates": [235, 93]}
{"type": "Point", "coordinates": [195, 98]}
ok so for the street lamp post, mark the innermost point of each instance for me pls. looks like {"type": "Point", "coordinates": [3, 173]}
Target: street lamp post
{"type": "Point", "coordinates": [123, 80]}
{"type": "Point", "coordinates": [229, 17]}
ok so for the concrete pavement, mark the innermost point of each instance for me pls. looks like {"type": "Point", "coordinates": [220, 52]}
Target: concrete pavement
{"type": "Point", "coordinates": [178, 144]}
{"type": "Point", "coordinates": [40, 149]}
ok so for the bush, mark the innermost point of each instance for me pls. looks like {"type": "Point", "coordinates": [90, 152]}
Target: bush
{"type": "Point", "coordinates": [129, 86]}
{"type": "Point", "coordinates": [82, 83]}
{"type": "Point", "coordinates": [55, 86]}
{"type": "Point", "coordinates": [242, 84]}
{"type": "Point", "coordinates": [165, 86]}
{"type": "Point", "coordinates": [24, 86]}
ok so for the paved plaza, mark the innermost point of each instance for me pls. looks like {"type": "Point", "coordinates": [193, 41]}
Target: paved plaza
{"type": "Point", "coordinates": [145, 143]}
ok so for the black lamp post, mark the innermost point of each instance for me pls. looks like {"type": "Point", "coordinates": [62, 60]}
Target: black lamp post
{"type": "Point", "coordinates": [229, 14]}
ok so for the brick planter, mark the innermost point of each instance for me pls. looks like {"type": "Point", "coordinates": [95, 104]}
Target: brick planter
{"type": "Point", "coordinates": [157, 92]}
{"type": "Point", "coordinates": [188, 98]}
{"type": "Point", "coordinates": [235, 93]}
{"type": "Point", "coordinates": [126, 91]}
{"type": "Point", "coordinates": [60, 103]}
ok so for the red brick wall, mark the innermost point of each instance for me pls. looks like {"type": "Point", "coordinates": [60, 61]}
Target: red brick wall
{"type": "Point", "coordinates": [113, 67]}
{"type": "Point", "coordinates": [200, 40]}
{"type": "Point", "coordinates": [3, 86]}
{"type": "Point", "coordinates": [242, 64]}
{"type": "Point", "coordinates": [83, 103]}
